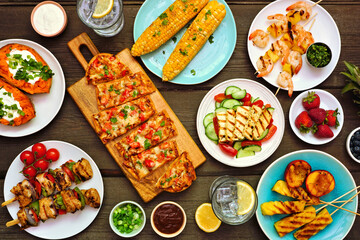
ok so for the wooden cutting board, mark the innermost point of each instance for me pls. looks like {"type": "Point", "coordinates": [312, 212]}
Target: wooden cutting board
{"type": "Point", "coordinates": [85, 97]}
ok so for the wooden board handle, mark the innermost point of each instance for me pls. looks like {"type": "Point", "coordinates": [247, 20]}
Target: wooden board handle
{"type": "Point", "coordinates": [77, 42]}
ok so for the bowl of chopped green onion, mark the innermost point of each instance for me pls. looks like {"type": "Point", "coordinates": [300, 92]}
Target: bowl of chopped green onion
{"type": "Point", "coordinates": [127, 219]}
{"type": "Point", "coordinates": [318, 55]}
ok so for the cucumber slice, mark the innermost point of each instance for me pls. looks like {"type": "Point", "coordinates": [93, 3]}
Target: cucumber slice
{"type": "Point", "coordinates": [237, 145]}
{"type": "Point", "coordinates": [243, 153]}
{"type": "Point", "coordinates": [271, 110]}
{"type": "Point", "coordinates": [231, 89]}
{"type": "Point", "coordinates": [254, 99]}
{"type": "Point", "coordinates": [229, 103]}
{"type": "Point", "coordinates": [210, 132]}
{"type": "Point", "coordinates": [255, 148]}
{"type": "Point", "coordinates": [239, 95]}
{"type": "Point", "coordinates": [236, 106]}
{"type": "Point", "coordinates": [262, 135]}
{"type": "Point", "coordinates": [217, 104]}
{"type": "Point", "coordinates": [208, 119]}
{"type": "Point", "coordinates": [220, 109]}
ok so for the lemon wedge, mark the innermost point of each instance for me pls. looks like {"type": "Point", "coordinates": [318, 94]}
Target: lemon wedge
{"type": "Point", "coordinates": [103, 8]}
{"type": "Point", "coordinates": [206, 219]}
{"type": "Point", "coordinates": [246, 198]}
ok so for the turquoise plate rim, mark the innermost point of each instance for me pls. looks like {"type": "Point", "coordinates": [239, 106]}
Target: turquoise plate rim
{"type": "Point", "coordinates": [277, 168]}
{"type": "Point", "coordinates": [185, 77]}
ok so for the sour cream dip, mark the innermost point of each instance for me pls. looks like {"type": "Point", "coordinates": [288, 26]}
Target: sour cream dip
{"type": "Point", "coordinates": [48, 19]}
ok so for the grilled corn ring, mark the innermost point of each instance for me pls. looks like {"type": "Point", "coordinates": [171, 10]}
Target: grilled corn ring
{"type": "Point", "coordinates": [175, 17]}
{"type": "Point", "coordinates": [194, 39]}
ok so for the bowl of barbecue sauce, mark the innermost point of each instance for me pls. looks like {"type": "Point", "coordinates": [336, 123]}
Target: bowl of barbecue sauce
{"type": "Point", "coordinates": [168, 219]}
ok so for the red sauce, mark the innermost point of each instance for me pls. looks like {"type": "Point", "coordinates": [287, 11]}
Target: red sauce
{"type": "Point", "coordinates": [168, 218]}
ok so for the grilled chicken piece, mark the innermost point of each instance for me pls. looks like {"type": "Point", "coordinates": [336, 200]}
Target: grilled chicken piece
{"type": "Point", "coordinates": [290, 223]}
{"type": "Point", "coordinates": [322, 219]}
{"type": "Point", "coordinates": [92, 197]}
{"type": "Point", "coordinates": [62, 178]}
{"type": "Point", "coordinates": [83, 169]}
{"type": "Point", "coordinates": [70, 201]}
{"type": "Point", "coordinates": [46, 184]}
{"type": "Point", "coordinates": [22, 217]}
{"type": "Point", "coordinates": [299, 193]}
{"type": "Point", "coordinates": [262, 124]}
{"type": "Point", "coordinates": [24, 193]}
{"type": "Point", "coordinates": [47, 209]}
{"type": "Point", "coordinates": [279, 207]}
{"type": "Point", "coordinates": [221, 116]}
{"type": "Point", "coordinates": [242, 115]}
{"type": "Point", "coordinates": [230, 126]}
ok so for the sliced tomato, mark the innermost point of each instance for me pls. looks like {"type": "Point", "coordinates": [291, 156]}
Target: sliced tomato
{"type": "Point", "coordinates": [38, 188]}
{"type": "Point", "coordinates": [271, 123]}
{"type": "Point", "coordinates": [70, 160]}
{"type": "Point", "coordinates": [258, 103]}
{"type": "Point", "coordinates": [216, 125]}
{"type": "Point", "coordinates": [61, 211]}
{"type": "Point", "coordinates": [69, 173]}
{"type": "Point", "coordinates": [50, 177]}
{"type": "Point", "coordinates": [247, 103]}
{"type": "Point", "coordinates": [36, 218]}
{"type": "Point", "coordinates": [272, 131]}
{"type": "Point", "coordinates": [134, 145]}
{"type": "Point", "coordinates": [149, 163]}
{"type": "Point", "coordinates": [246, 98]}
{"type": "Point", "coordinates": [221, 96]}
{"type": "Point", "coordinates": [75, 194]}
{"type": "Point", "coordinates": [227, 149]}
{"type": "Point", "coordinates": [248, 143]}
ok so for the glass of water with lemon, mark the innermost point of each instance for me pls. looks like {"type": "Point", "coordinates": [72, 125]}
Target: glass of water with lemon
{"type": "Point", "coordinates": [234, 201]}
{"type": "Point", "coordinates": [105, 17]}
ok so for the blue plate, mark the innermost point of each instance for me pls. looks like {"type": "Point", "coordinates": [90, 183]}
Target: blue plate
{"type": "Point", "coordinates": [210, 59]}
{"type": "Point", "coordinates": [344, 182]}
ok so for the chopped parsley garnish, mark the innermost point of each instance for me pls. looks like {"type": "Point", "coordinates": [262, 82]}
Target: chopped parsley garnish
{"type": "Point", "coordinates": [108, 132]}
{"type": "Point", "coordinates": [136, 138]}
{"type": "Point", "coordinates": [194, 38]}
{"type": "Point", "coordinates": [171, 8]}
{"type": "Point", "coordinates": [134, 83]}
{"type": "Point", "coordinates": [140, 164]}
{"type": "Point", "coordinates": [195, 10]}
{"type": "Point", "coordinates": [165, 22]}
{"type": "Point", "coordinates": [165, 153]}
{"type": "Point", "coordinates": [113, 119]}
{"type": "Point", "coordinates": [193, 72]}
{"type": "Point", "coordinates": [132, 108]}
{"type": "Point", "coordinates": [174, 39]}
{"type": "Point", "coordinates": [125, 113]}
{"type": "Point", "coordinates": [111, 88]}
{"type": "Point", "coordinates": [117, 92]}
{"type": "Point", "coordinates": [21, 112]}
{"type": "Point", "coordinates": [185, 52]}
{"type": "Point", "coordinates": [211, 39]}
{"type": "Point", "coordinates": [207, 13]}
{"type": "Point", "coordinates": [162, 123]}
{"type": "Point", "coordinates": [147, 144]}
{"type": "Point", "coordinates": [126, 107]}
{"type": "Point", "coordinates": [162, 16]}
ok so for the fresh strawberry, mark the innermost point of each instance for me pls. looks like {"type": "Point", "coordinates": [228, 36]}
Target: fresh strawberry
{"type": "Point", "coordinates": [318, 115]}
{"type": "Point", "coordinates": [311, 101]}
{"type": "Point", "coordinates": [331, 118]}
{"type": "Point", "coordinates": [303, 122]}
{"type": "Point", "coordinates": [322, 131]}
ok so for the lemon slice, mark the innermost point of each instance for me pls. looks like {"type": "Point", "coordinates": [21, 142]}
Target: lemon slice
{"type": "Point", "coordinates": [206, 219]}
{"type": "Point", "coordinates": [246, 197]}
{"type": "Point", "coordinates": [102, 8]}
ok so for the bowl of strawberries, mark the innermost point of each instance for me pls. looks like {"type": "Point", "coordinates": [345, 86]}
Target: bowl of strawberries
{"type": "Point", "coordinates": [316, 116]}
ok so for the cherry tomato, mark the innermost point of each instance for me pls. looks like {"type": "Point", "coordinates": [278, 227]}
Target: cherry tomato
{"type": "Point", "coordinates": [52, 155]}
{"type": "Point", "coordinates": [36, 219]}
{"type": "Point", "coordinates": [69, 173]}
{"type": "Point", "coordinates": [272, 131]}
{"type": "Point", "coordinates": [221, 96]}
{"type": "Point", "coordinates": [267, 105]}
{"type": "Point", "coordinates": [149, 163]}
{"type": "Point", "coordinates": [247, 103]}
{"type": "Point", "coordinates": [41, 164]}
{"type": "Point", "coordinates": [61, 211]}
{"type": "Point", "coordinates": [258, 103]}
{"type": "Point", "coordinates": [227, 149]}
{"type": "Point", "coordinates": [248, 143]}
{"type": "Point", "coordinates": [216, 125]}
{"type": "Point", "coordinates": [39, 150]}
{"type": "Point", "coordinates": [29, 172]}
{"type": "Point", "coordinates": [271, 123]}
{"type": "Point", "coordinates": [246, 98]}
{"type": "Point", "coordinates": [27, 157]}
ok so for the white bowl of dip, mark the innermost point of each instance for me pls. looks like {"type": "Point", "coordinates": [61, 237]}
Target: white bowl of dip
{"type": "Point", "coordinates": [48, 19]}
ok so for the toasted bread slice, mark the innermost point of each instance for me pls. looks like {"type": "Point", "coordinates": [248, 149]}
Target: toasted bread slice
{"type": "Point", "coordinates": [242, 115]}
{"type": "Point", "coordinates": [221, 116]}
{"type": "Point", "coordinates": [279, 207]}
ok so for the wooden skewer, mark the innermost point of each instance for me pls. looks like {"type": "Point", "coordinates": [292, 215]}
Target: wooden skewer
{"type": "Point", "coordinates": [341, 197]}
{"type": "Point", "coordinates": [316, 3]}
{"type": "Point", "coordinates": [338, 207]}
{"type": "Point", "coordinates": [277, 91]}
{"type": "Point", "coordinates": [8, 201]}
{"type": "Point", "coordinates": [345, 203]}
{"type": "Point", "coordinates": [323, 202]}
{"type": "Point", "coordinates": [309, 19]}
{"type": "Point", "coordinates": [12, 222]}
{"type": "Point", "coordinates": [312, 24]}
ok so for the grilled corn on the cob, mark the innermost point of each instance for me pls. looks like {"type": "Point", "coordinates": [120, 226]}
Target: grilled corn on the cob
{"type": "Point", "coordinates": [322, 219]}
{"type": "Point", "coordinates": [194, 38]}
{"type": "Point", "coordinates": [279, 207]}
{"type": "Point", "coordinates": [290, 223]}
{"type": "Point", "coordinates": [175, 17]}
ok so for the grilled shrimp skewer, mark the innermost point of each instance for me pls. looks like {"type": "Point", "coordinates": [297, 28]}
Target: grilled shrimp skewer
{"type": "Point", "coordinates": [66, 201]}
{"type": "Point", "coordinates": [47, 183]}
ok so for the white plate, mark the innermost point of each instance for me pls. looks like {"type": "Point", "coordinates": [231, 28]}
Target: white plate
{"type": "Point", "coordinates": [67, 225]}
{"type": "Point", "coordinates": [47, 105]}
{"type": "Point", "coordinates": [327, 102]}
{"type": "Point", "coordinates": [323, 30]}
{"type": "Point", "coordinates": [207, 105]}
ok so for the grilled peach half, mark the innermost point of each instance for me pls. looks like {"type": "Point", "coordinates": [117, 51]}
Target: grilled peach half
{"type": "Point", "coordinates": [296, 173]}
{"type": "Point", "coordinates": [319, 183]}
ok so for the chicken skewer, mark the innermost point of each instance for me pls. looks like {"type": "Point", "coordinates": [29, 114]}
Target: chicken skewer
{"type": "Point", "coordinates": [66, 201]}
{"type": "Point", "coordinates": [47, 183]}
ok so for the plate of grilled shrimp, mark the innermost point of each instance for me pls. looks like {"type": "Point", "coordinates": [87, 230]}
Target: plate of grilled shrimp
{"type": "Point", "coordinates": [73, 189]}
{"type": "Point", "coordinates": [278, 39]}
{"type": "Point", "coordinates": [299, 195]}
{"type": "Point", "coordinates": [184, 42]}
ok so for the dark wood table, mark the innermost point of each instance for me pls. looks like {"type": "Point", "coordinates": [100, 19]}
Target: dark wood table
{"type": "Point", "coordinates": [70, 125]}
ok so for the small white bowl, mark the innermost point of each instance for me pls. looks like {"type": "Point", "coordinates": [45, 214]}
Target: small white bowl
{"type": "Point", "coordinates": [134, 232]}
{"type": "Point", "coordinates": [165, 235]}
{"type": "Point", "coordinates": [348, 144]}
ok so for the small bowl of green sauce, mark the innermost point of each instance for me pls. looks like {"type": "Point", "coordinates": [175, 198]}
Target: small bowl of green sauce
{"type": "Point", "coordinates": [318, 55]}
{"type": "Point", "coordinates": [127, 219]}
